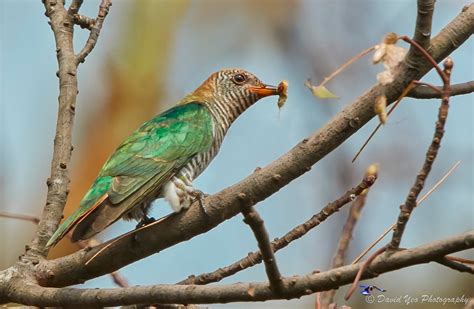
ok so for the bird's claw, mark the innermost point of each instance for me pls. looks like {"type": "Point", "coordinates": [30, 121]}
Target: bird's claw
{"type": "Point", "coordinates": [200, 196]}
{"type": "Point", "coordinates": [145, 221]}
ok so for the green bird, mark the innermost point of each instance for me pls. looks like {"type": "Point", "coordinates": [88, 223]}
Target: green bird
{"type": "Point", "coordinates": [163, 156]}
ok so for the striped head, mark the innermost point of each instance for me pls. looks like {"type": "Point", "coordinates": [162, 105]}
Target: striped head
{"type": "Point", "coordinates": [230, 92]}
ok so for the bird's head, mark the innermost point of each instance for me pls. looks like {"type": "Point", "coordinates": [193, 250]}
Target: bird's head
{"type": "Point", "coordinates": [233, 89]}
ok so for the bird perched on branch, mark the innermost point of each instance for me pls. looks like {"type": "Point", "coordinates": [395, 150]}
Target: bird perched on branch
{"type": "Point", "coordinates": [162, 157]}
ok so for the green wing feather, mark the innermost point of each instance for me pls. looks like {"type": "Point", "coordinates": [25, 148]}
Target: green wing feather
{"type": "Point", "coordinates": [144, 162]}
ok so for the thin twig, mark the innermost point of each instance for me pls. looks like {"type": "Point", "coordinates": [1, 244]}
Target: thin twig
{"type": "Point", "coordinates": [84, 22]}
{"type": "Point", "coordinates": [32, 219]}
{"type": "Point", "coordinates": [299, 231]}
{"type": "Point", "coordinates": [345, 65]}
{"type": "Point", "coordinates": [442, 74]}
{"type": "Point", "coordinates": [418, 203]}
{"type": "Point", "coordinates": [327, 297]}
{"type": "Point", "coordinates": [455, 265]}
{"type": "Point", "coordinates": [428, 85]}
{"type": "Point", "coordinates": [427, 93]}
{"type": "Point", "coordinates": [74, 7]}
{"type": "Point", "coordinates": [117, 278]}
{"type": "Point", "coordinates": [94, 31]}
{"type": "Point", "coordinates": [253, 219]}
{"type": "Point", "coordinates": [410, 86]}
{"type": "Point", "coordinates": [460, 260]}
{"type": "Point", "coordinates": [410, 202]}
{"type": "Point", "coordinates": [362, 270]}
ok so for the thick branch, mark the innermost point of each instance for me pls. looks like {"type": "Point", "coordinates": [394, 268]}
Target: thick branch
{"type": "Point", "coordinates": [253, 219]}
{"type": "Point", "coordinates": [257, 186]}
{"type": "Point", "coordinates": [294, 286]}
{"type": "Point", "coordinates": [423, 92]}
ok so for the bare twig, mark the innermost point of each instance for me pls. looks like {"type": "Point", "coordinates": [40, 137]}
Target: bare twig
{"type": "Point", "coordinates": [344, 66]}
{"type": "Point", "coordinates": [361, 271]}
{"type": "Point", "coordinates": [427, 93]}
{"type": "Point", "coordinates": [442, 74]}
{"type": "Point", "coordinates": [117, 278]}
{"type": "Point", "coordinates": [327, 298]}
{"type": "Point", "coordinates": [32, 219]}
{"type": "Point", "coordinates": [253, 219]}
{"type": "Point", "coordinates": [455, 265]}
{"type": "Point", "coordinates": [299, 231]}
{"type": "Point", "coordinates": [410, 86]}
{"type": "Point", "coordinates": [418, 203]}
{"type": "Point", "coordinates": [460, 260]}
{"type": "Point", "coordinates": [84, 22]}
{"type": "Point", "coordinates": [410, 202]}
{"type": "Point", "coordinates": [94, 31]}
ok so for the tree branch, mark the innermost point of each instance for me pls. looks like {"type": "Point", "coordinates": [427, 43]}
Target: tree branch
{"type": "Point", "coordinates": [297, 286]}
{"type": "Point", "coordinates": [422, 32]}
{"type": "Point", "coordinates": [253, 219]}
{"type": "Point", "coordinates": [327, 298]}
{"type": "Point", "coordinates": [455, 265]}
{"type": "Point", "coordinates": [58, 182]}
{"type": "Point", "coordinates": [422, 92]}
{"type": "Point", "coordinates": [410, 202]}
{"type": "Point", "coordinates": [94, 31]}
{"type": "Point", "coordinates": [32, 219]}
{"type": "Point", "coordinates": [259, 185]}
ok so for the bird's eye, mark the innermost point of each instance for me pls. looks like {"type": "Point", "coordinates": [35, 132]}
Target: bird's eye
{"type": "Point", "coordinates": [239, 79]}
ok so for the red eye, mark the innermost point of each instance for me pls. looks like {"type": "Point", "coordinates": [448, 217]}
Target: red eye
{"type": "Point", "coordinates": [239, 79]}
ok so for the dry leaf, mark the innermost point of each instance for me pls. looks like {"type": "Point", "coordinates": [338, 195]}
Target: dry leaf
{"type": "Point", "coordinates": [320, 91]}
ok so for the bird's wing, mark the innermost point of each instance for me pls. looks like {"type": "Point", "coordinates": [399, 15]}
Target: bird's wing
{"type": "Point", "coordinates": [148, 158]}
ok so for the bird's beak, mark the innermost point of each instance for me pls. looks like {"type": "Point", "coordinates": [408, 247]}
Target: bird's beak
{"type": "Point", "coordinates": [264, 90]}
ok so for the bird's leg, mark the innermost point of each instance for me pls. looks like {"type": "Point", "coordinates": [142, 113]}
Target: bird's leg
{"type": "Point", "coordinates": [145, 221]}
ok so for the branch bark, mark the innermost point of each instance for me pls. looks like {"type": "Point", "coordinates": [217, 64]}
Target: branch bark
{"type": "Point", "coordinates": [58, 183]}
{"type": "Point", "coordinates": [422, 92]}
{"type": "Point", "coordinates": [260, 184]}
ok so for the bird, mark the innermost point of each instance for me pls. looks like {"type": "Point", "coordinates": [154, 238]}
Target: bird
{"type": "Point", "coordinates": [164, 155]}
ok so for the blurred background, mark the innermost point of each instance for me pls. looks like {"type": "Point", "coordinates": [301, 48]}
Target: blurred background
{"type": "Point", "coordinates": [151, 53]}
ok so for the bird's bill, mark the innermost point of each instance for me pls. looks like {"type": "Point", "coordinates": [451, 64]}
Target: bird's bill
{"type": "Point", "coordinates": [265, 90]}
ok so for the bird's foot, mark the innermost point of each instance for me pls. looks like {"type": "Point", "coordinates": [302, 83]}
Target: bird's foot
{"type": "Point", "coordinates": [145, 221]}
{"type": "Point", "coordinates": [199, 196]}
